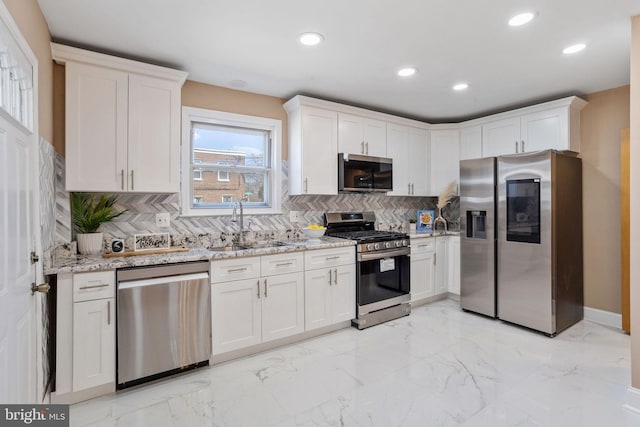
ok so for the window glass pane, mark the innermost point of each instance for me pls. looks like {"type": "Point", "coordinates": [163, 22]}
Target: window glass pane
{"type": "Point", "coordinates": [250, 187]}
{"type": "Point", "coordinates": [226, 145]}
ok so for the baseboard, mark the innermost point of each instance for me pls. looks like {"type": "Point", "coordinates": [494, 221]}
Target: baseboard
{"type": "Point", "coordinates": [606, 318]}
{"type": "Point", "coordinates": [633, 400]}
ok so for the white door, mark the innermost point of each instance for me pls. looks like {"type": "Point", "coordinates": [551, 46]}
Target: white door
{"type": "Point", "coordinates": [375, 138]}
{"type": "Point", "coordinates": [350, 134]}
{"type": "Point", "coordinates": [398, 150]}
{"type": "Point", "coordinates": [444, 158]}
{"type": "Point", "coordinates": [471, 142]}
{"type": "Point", "coordinates": [282, 306]}
{"type": "Point", "coordinates": [18, 160]}
{"type": "Point", "coordinates": [543, 130]}
{"type": "Point", "coordinates": [418, 161]}
{"type": "Point", "coordinates": [501, 137]}
{"type": "Point", "coordinates": [343, 293]}
{"type": "Point", "coordinates": [422, 273]}
{"type": "Point", "coordinates": [442, 268]}
{"type": "Point", "coordinates": [317, 298]}
{"type": "Point", "coordinates": [319, 151]}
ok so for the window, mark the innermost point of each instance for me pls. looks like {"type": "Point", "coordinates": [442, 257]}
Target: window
{"type": "Point", "coordinates": [229, 157]}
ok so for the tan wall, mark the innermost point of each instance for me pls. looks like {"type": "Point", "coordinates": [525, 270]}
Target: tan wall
{"type": "Point", "coordinates": [600, 124]}
{"type": "Point", "coordinates": [200, 95]}
{"type": "Point", "coordinates": [35, 30]}
{"type": "Point", "coordinates": [635, 201]}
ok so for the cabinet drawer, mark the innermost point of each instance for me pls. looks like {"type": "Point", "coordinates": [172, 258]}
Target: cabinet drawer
{"type": "Point", "coordinates": [423, 245]}
{"type": "Point", "coordinates": [235, 269]}
{"type": "Point", "coordinates": [93, 285]}
{"type": "Point", "coordinates": [271, 265]}
{"type": "Point", "coordinates": [323, 258]}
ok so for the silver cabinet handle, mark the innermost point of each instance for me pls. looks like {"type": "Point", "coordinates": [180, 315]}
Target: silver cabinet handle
{"type": "Point", "coordinates": [423, 246]}
{"type": "Point", "coordinates": [335, 277]}
{"type": "Point", "coordinates": [362, 147]}
{"type": "Point", "coordinates": [265, 288]}
{"type": "Point", "coordinates": [409, 189]}
{"type": "Point", "coordinates": [108, 312]}
{"type": "Point", "coordinates": [131, 179]}
{"type": "Point", "coordinates": [332, 257]}
{"type": "Point", "coordinates": [367, 147]}
{"type": "Point", "coordinates": [94, 286]}
{"type": "Point", "coordinates": [258, 288]}
{"type": "Point", "coordinates": [522, 146]}
{"type": "Point", "coordinates": [413, 192]}
{"type": "Point", "coordinates": [122, 179]}
{"type": "Point", "coordinates": [282, 264]}
{"type": "Point", "coordinates": [235, 270]}
{"type": "Point", "coordinates": [434, 258]}
{"type": "Point", "coordinates": [330, 278]}
{"type": "Point", "coordinates": [306, 182]}
{"type": "Point", "coordinates": [516, 147]}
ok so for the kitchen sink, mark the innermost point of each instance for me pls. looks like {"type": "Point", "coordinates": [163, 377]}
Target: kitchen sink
{"type": "Point", "coordinates": [252, 245]}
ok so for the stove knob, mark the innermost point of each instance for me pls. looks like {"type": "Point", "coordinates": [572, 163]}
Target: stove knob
{"type": "Point", "coordinates": [377, 246]}
{"type": "Point", "coordinates": [369, 247]}
{"type": "Point", "coordinates": [405, 243]}
{"type": "Point", "coordinates": [398, 243]}
{"type": "Point", "coordinates": [388, 245]}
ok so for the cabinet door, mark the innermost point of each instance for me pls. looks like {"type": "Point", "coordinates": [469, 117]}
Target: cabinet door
{"type": "Point", "coordinates": [94, 345]}
{"type": "Point", "coordinates": [282, 306]}
{"type": "Point", "coordinates": [351, 134]}
{"type": "Point", "coordinates": [235, 315]}
{"type": "Point", "coordinates": [96, 128]}
{"type": "Point", "coordinates": [422, 275]}
{"type": "Point", "coordinates": [444, 159]}
{"type": "Point", "coordinates": [375, 138]}
{"type": "Point", "coordinates": [317, 298]}
{"type": "Point", "coordinates": [343, 293]}
{"type": "Point", "coordinates": [154, 135]}
{"type": "Point", "coordinates": [442, 269]}
{"type": "Point", "coordinates": [319, 151]}
{"type": "Point", "coordinates": [418, 161]}
{"type": "Point", "coordinates": [398, 150]}
{"type": "Point", "coordinates": [453, 263]}
{"type": "Point", "coordinates": [501, 137]}
{"type": "Point", "coordinates": [544, 130]}
{"type": "Point", "coordinates": [471, 142]}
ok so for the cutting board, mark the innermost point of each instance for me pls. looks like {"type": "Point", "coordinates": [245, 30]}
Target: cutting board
{"type": "Point", "coordinates": [150, 252]}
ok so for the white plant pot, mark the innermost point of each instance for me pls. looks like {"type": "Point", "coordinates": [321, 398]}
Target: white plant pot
{"type": "Point", "coordinates": [89, 244]}
{"type": "Point", "coordinates": [412, 227]}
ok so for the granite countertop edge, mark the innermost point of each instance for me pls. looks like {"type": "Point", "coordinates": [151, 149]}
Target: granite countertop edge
{"type": "Point", "coordinates": [83, 263]}
{"type": "Point", "coordinates": [413, 235]}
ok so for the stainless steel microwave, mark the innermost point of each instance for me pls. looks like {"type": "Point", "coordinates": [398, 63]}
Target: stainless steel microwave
{"type": "Point", "coordinates": [358, 173]}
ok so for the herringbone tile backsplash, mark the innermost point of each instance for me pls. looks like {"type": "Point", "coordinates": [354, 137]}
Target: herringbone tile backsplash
{"type": "Point", "coordinates": [392, 212]}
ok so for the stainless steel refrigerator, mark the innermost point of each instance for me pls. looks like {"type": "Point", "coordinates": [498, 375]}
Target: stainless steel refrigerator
{"type": "Point", "coordinates": [533, 230]}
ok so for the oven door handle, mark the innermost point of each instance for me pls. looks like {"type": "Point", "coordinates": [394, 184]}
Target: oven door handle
{"type": "Point", "coordinates": [368, 256]}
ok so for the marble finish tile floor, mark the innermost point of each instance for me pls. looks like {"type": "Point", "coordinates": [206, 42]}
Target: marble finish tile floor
{"type": "Point", "coordinates": [438, 367]}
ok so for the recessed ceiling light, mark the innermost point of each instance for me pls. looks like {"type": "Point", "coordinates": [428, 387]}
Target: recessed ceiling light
{"type": "Point", "coordinates": [521, 19]}
{"type": "Point", "coordinates": [574, 48]}
{"type": "Point", "coordinates": [408, 71]}
{"type": "Point", "coordinates": [310, 39]}
{"type": "Point", "coordinates": [460, 86]}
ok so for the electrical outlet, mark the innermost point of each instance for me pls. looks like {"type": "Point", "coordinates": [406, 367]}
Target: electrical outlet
{"type": "Point", "coordinates": [163, 220]}
{"type": "Point", "coordinates": [294, 216]}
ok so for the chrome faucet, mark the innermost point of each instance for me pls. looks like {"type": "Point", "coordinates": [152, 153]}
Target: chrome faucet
{"type": "Point", "coordinates": [234, 218]}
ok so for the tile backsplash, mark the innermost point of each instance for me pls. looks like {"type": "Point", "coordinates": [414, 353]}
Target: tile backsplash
{"type": "Point", "coordinates": [392, 212]}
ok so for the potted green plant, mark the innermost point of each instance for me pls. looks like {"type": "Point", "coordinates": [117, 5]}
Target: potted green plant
{"type": "Point", "coordinates": [88, 212]}
{"type": "Point", "coordinates": [412, 224]}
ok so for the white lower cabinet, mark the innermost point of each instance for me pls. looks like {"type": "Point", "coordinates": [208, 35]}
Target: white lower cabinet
{"type": "Point", "coordinates": [423, 263]}
{"type": "Point", "coordinates": [453, 263]}
{"type": "Point", "coordinates": [94, 350]}
{"type": "Point", "coordinates": [330, 287]}
{"type": "Point", "coordinates": [257, 309]}
{"type": "Point", "coordinates": [442, 268]}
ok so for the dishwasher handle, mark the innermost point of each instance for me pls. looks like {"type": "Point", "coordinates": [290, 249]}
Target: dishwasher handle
{"type": "Point", "coordinates": [162, 280]}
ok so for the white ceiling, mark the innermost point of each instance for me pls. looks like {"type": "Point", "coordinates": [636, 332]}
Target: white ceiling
{"type": "Point", "coordinates": [366, 41]}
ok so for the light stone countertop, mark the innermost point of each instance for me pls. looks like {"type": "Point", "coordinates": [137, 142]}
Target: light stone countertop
{"type": "Point", "coordinates": [83, 263]}
{"type": "Point", "coordinates": [413, 236]}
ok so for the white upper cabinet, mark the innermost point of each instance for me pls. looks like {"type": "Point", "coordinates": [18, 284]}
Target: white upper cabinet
{"type": "Point", "coordinates": [122, 123]}
{"type": "Point", "coordinates": [408, 147]}
{"type": "Point", "coordinates": [313, 149]}
{"type": "Point", "coordinates": [444, 159]}
{"type": "Point", "coordinates": [471, 142]}
{"type": "Point", "coordinates": [553, 125]}
{"type": "Point", "coordinates": [361, 135]}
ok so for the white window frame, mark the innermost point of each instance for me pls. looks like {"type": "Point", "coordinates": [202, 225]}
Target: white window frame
{"type": "Point", "coordinates": [221, 179]}
{"type": "Point", "coordinates": [201, 115]}
{"type": "Point", "coordinates": [227, 195]}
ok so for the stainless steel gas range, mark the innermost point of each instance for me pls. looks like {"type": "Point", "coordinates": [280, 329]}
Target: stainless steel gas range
{"type": "Point", "coordinates": [382, 268]}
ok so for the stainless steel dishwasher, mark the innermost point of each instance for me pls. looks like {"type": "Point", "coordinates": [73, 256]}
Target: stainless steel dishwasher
{"type": "Point", "coordinates": [164, 320]}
